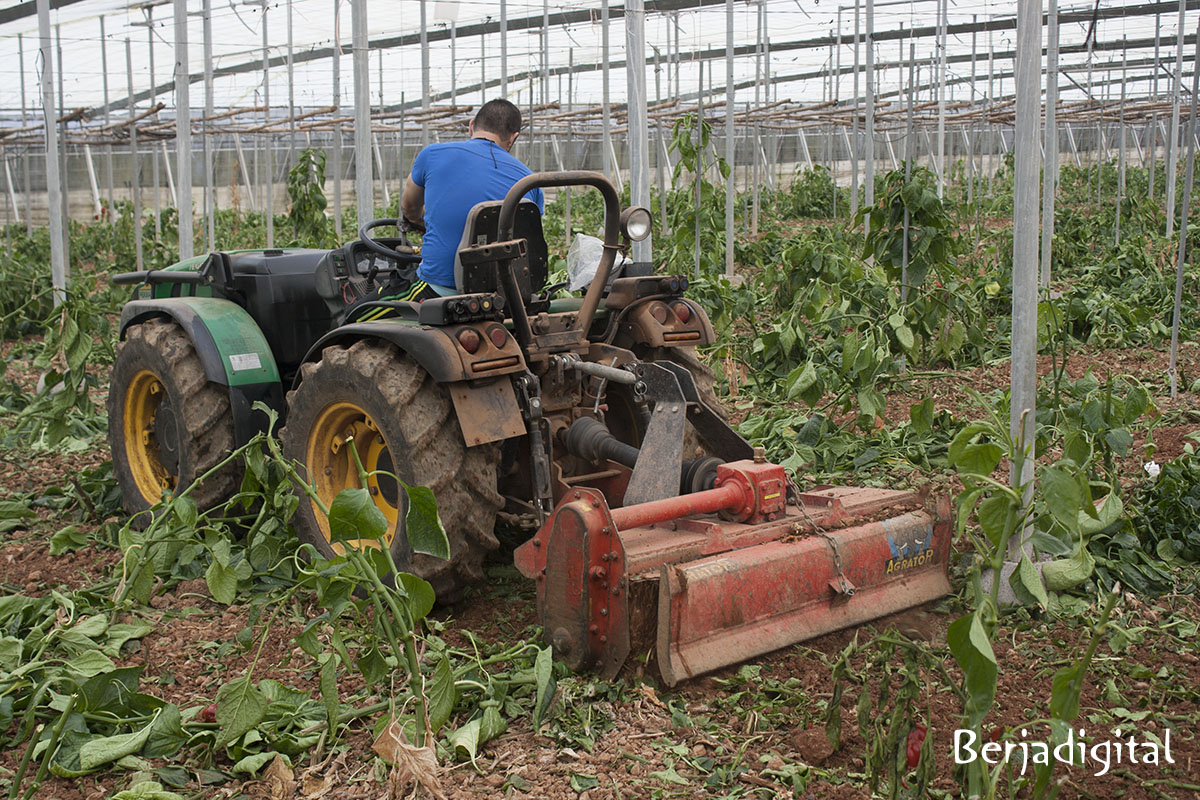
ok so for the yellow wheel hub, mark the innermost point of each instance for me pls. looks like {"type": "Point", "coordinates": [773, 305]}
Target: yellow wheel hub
{"type": "Point", "coordinates": [332, 468]}
{"type": "Point", "coordinates": [143, 397]}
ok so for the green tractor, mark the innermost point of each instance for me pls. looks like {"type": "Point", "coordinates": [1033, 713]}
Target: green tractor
{"type": "Point", "coordinates": [588, 421]}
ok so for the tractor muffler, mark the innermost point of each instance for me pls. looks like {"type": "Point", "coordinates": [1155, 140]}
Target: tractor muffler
{"type": "Point", "coordinates": [712, 578]}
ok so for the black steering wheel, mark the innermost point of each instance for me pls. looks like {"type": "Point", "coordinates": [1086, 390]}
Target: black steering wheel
{"type": "Point", "coordinates": [404, 226]}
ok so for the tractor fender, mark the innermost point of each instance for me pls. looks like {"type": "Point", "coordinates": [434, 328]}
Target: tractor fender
{"type": "Point", "coordinates": [231, 348]}
{"type": "Point", "coordinates": [640, 325]}
{"type": "Point", "coordinates": [485, 401]}
{"type": "Point", "coordinates": [436, 349]}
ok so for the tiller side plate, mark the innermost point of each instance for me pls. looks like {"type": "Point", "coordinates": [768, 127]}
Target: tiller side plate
{"type": "Point", "coordinates": [703, 591]}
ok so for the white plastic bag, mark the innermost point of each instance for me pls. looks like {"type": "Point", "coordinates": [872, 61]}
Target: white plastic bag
{"type": "Point", "coordinates": [583, 259]}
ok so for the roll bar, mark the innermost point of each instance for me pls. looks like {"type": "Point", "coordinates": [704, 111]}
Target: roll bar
{"type": "Point", "coordinates": [612, 231]}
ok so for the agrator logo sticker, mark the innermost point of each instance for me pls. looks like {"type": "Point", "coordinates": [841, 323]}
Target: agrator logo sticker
{"type": "Point", "coordinates": [895, 564]}
{"type": "Point", "coordinates": [910, 548]}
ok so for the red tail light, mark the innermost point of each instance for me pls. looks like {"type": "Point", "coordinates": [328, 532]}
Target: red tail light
{"type": "Point", "coordinates": [469, 340]}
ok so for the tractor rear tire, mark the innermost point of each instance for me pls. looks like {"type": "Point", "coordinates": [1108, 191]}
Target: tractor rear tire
{"type": "Point", "coordinates": [404, 423]}
{"type": "Point", "coordinates": [167, 423]}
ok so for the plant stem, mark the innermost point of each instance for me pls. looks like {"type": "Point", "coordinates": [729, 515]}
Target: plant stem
{"type": "Point", "coordinates": [51, 748]}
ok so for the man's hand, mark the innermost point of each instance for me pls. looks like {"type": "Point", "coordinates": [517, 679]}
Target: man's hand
{"type": "Point", "coordinates": [412, 203]}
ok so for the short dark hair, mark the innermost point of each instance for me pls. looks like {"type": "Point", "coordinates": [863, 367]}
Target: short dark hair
{"type": "Point", "coordinates": [498, 116]}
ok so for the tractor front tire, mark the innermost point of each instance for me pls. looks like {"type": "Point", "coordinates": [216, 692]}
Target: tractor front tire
{"type": "Point", "coordinates": [402, 422]}
{"type": "Point", "coordinates": [167, 423]}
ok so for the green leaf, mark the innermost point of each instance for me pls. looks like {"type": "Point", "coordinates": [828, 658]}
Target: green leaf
{"type": "Point", "coordinates": [251, 764]}
{"type": "Point", "coordinates": [993, 515]}
{"type": "Point", "coordinates": [423, 526]}
{"type": "Point", "coordinates": [353, 515]}
{"type": "Point", "coordinates": [1027, 583]}
{"type": "Point", "coordinates": [329, 690]}
{"type": "Point", "coordinates": [920, 416]}
{"type": "Point", "coordinates": [420, 595]}
{"type": "Point", "coordinates": [1119, 440]}
{"type": "Point", "coordinates": [109, 691]}
{"type": "Point", "coordinates": [89, 663]}
{"type": "Point", "coordinates": [98, 752]}
{"type": "Point", "coordinates": [222, 582]}
{"type": "Point", "coordinates": [543, 673]}
{"type": "Point", "coordinates": [67, 539]}
{"type": "Point", "coordinates": [240, 707]}
{"type": "Point", "coordinates": [973, 651]}
{"type": "Point", "coordinates": [1061, 493]}
{"type": "Point", "coordinates": [15, 509]}
{"type": "Point", "coordinates": [167, 736]}
{"type": "Point", "coordinates": [1109, 511]}
{"type": "Point", "coordinates": [582, 782]}
{"type": "Point", "coordinates": [974, 458]}
{"type": "Point", "coordinates": [441, 693]}
{"type": "Point", "coordinates": [465, 740]}
{"type": "Point", "coordinates": [146, 790]}
{"type": "Point", "coordinates": [372, 665]}
{"type": "Point", "coordinates": [669, 775]}
{"type": "Point", "coordinates": [904, 335]}
{"type": "Point", "coordinates": [1067, 573]}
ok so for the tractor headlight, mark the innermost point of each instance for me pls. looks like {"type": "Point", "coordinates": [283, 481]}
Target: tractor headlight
{"type": "Point", "coordinates": [635, 223]}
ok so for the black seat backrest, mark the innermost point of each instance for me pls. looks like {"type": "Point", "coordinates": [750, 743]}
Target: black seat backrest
{"type": "Point", "coordinates": [481, 228]}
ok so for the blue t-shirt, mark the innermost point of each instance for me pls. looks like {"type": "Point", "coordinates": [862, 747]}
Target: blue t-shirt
{"type": "Point", "coordinates": [456, 176]}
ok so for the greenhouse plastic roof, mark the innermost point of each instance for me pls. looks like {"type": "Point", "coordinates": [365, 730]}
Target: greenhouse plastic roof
{"type": "Point", "coordinates": [801, 53]}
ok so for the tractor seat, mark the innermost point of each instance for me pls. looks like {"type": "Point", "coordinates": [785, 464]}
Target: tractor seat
{"type": "Point", "coordinates": [481, 227]}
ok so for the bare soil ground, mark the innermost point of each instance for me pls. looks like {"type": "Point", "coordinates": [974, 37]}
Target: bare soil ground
{"type": "Point", "coordinates": [739, 733]}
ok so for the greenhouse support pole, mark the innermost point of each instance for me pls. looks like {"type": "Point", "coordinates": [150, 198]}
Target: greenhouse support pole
{"type": "Point", "coordinates": [58, 256]}
{"type": "Point", "coordinates": [699, 159]}
{"type": "Point", "coordinates": [1121, 149]}
{"type": "Point", "coordinates": [65, 173]}
{"type": "Point", "coordinates": [1028, 73]}
{"type": "Point", "coordinates": [660, 162]}
{"type": "Point", "coordinates": [869, 192]}
{"type": "Point", "coordinates": [969, 138]}
{"type": "Point", "coordinates": [183, 133]}
{"type": "Point", "coordinates": [837, 67]}
{"type": "Point", "coordinates": [210, 181]}
{"type": "Point", "coordinates": [337, 125]}
{"type": "Point", "coordinates": [25, 160]}
{"type": "Point", "coordinates": [108, 153]}
{"type": "Point", "coordinates": [424, 84]}
{"type": "Point", "coordinates": [638, 136]}
{"type": "Point", "coordinates": [12, 194]}
{"type": "Point", "coordinates": [482, 69]}
{"type": "Point", "coordinates": [1189, 170]}
{"type": "Point", "coordinates": [730, 144]}
{"type": "Point", "coordinates": [546, 57]}
{"type": "Point", "coordinates": [291, 86]}
{"type": "Point", "coordinates": [245, 167]}
{"type": "Point", "coordinates": [1173, 132]}
{"type": "Point", "coordinates": [93, 186]}
{"type": "Point", "coordinates": [853, 123]}
{"type": "Point", "coordinates": [135, 185]}
{"type": "Point", "coordinates": [1050, 179]}
{"type": "Point", "coordinates": [154, 169]}
{"type": "Point", "coordinates": [1152, 128]}
{"type": "Point", "coordinates": [504, 44]}
{"type": "Point", "coordinates": [363, 179]}
{"type": "Point", "coordinates": [610, 165]}
{"type": "Point", "coordinates": [453, 62]}
{"type": "Point", "coordinates": [166, 160]}
{"type": "Point", "coordinates": [908, 163]}
{"type": "Point", "coordinates": [943, 12]}
{"type": "Point", "coordinates": [269, 169]}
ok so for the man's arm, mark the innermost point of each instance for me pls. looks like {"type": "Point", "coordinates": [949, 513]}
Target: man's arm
{"type": "Point", "coordinates": [412, 201]}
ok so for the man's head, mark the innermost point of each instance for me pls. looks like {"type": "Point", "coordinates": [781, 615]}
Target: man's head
{"type": "Point", "coordinates": [498, 120]}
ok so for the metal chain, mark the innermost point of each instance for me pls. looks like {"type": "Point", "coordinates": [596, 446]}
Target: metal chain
{"type": "Point", "coordinates": [846, 587]}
